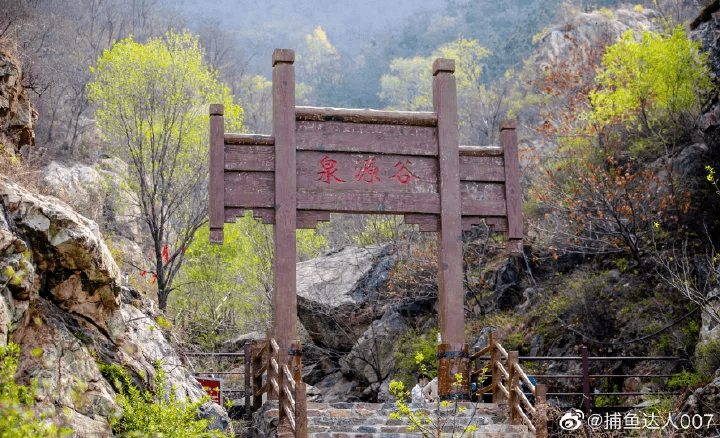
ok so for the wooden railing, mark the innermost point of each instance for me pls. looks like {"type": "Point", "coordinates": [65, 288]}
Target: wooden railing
{"type": "Point", "coordinates": [506, 388]}
{"type": "Point", "coordinates": [265, 359]}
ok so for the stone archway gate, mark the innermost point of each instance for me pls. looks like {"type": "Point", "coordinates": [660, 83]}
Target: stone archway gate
{"type": "Point", "coordinates": [323, 160]}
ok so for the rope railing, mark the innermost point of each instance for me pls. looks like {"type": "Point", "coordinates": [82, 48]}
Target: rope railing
{"type": "Point", "coordinates": [280, 385]}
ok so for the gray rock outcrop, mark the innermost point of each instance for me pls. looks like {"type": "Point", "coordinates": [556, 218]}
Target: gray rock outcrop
{"type": "Point", "coordinates": [17, 116]}
{"type": "Point", "coordinates": [336, 293]}
{"type": "Point", "coordinates": [587, 30]}
{"type": "Point", "coordinates": [704, 401]}
{"type": "Point", "coordinates": [113, 207]}
{"type": "Point", "coordinates": [64, 305]}
{"type": "Point", "coordinates": [372, 358]}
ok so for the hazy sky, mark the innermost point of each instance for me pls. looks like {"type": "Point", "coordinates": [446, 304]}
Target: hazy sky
{"type": "Point", "coordinates": [274, 23]}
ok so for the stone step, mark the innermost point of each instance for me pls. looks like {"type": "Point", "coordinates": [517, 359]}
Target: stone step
{"type": "Point", "coordinates": [485, 431]}
{"type": "Point", "coordinates": [371, 420]}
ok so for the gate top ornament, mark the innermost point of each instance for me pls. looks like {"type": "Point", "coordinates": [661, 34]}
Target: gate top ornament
{"type": "Point", "coordinates": [324, 160]}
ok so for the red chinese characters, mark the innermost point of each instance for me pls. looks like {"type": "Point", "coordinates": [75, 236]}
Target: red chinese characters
{"type": "Point", "coordinates": [403, 174]}
{"type": "Point", "coordinates": [368, 172]}
{"type": "Point", "coordinates": [328, 171]}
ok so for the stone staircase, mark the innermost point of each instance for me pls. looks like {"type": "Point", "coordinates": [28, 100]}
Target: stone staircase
{"type": "Point", "coordinates": [372, 420]}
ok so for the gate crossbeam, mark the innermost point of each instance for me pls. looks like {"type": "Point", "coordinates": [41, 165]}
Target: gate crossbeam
{"type": "Point", "coordinates": [324, 160]}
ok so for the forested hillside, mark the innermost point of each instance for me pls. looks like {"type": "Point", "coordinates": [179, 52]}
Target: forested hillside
{"type": "Point", "coordinates": [105, 106]}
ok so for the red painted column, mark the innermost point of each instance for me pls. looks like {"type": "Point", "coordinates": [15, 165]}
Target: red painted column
{"type": "Point", "coordinates": [453, 352]}
{"type": "Point", "coordinates": [284, 298]}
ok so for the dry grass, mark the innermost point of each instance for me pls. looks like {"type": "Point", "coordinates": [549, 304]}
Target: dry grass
{"type": "Point", "coordinates": [22, 172]}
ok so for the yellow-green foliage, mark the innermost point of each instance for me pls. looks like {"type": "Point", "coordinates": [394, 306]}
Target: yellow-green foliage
{"type": "Point", "coordinates": [607, 13]}
{"type": "Point", "coordinates": [17, 419]}
{"type": "Point", "coordinates": [153, 109]}
{"type": "Point", "coordinates": [707, 358]}
{"type": "Point", "coordinates": [684, 380]}
{"type": "Point", "coordinates": [154, 413]}
{"type": "Point", "coordinates": [417, 353]}
{"type": "Point", "coordinates": [431, 424]}
{"type": "Point", "coordinates": [158, 92]}
{"type": "Point", "coordinates": [230, 281]}
{"type": "Point", "coordinates": [650, 79]}
{"type": "Point", "coordinates": [409, 85]}
{"type": "Point", "coordinates": [379, 230]}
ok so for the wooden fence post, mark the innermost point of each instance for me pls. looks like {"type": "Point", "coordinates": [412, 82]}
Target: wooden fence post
{"type": "Point", "coordinates": [300, 410]}
{"type": "Point", "coordinates": [513, 384]}
{"type": "Point", "coordinates": [247, 368]}
{"type": "Point", "coordinates": [540, 420]}
{"type": "Point", "coordinates": [586, 380]}
{"type": "Point", "coordinates": [283, 428]}
{"type": "Point", "coordinates": [271, 373]}
{"type": "Point", "coordinates": [257, 364]}
{"type": "Point", "coordinates": [498, 397]}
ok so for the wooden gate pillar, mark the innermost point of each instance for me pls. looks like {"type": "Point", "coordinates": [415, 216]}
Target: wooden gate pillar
{"type": "Point", "coordinates": [284, 298]}
{"type": "Point", "coordinates": [452, 351]}
{"type": "Point", "coordinates": [508, 141]}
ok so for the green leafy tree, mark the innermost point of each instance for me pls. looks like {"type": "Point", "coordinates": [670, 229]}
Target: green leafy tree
{"type": "Point", "coordinates": [409, 87]}
{"type": "Point", "coordinates": [153, 111]}
{"type": "Point", "coordinates": [17, 419]}
{"type": "Point", "coordinates": [228, 288]}
{"type": "Point", "coordinates": [318, 68]}
{"type": "Point", "coordinates": [656, 84]}
{"type": "Point", "coordinates": [595, 190]}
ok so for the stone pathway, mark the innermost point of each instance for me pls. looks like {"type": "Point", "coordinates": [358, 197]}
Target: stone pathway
{"type": "Point", "coordinates": [372, 420]}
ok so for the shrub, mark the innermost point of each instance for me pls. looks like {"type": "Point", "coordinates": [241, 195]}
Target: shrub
{"type": "Point", "coordinates": [657, 84]}
{"type": "Point", "coordinates": [417, 353]}
{"type": "Point", "coordinates": [435, 423]}
{"type": "Point", "coordinates": [154, 412]}
{"type": "Point", "coordinates": [707, 358]}
{"type": "Point", "coordinates": [684, 380]}
{"type": "Point", "coordinates": [17, 419]}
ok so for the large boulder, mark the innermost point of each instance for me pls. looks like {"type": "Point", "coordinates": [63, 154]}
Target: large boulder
{"type": "Point", "coordinates": [64, 305]}
{"type": "Point", "coordinates": [337, 293]}
{"type": "Point", "coordinates": [372, 358]}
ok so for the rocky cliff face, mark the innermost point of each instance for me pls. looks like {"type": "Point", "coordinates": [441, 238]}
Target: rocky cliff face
{"type": "Point", "coordinates": [588, 31]}
{"type": "Point", "coordinates": [17, 116]}
{"type": "Point", "coordinates": [64, 304]}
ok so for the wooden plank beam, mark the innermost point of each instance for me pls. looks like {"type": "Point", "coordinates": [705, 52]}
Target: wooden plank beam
{"type": "Point", "coordinates": [370, 138]}
{"type": "Point", "coordinates": [369, 202]}
{"type": "Point", "coordinates": [367, 116]}
{"type": "Point", "coordinates": [249, 139]}
{"type": "Point", "coordinates": [249, 158]}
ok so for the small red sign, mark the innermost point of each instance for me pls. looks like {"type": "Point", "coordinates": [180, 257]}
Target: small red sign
{"type": "Point", "coordinates": [213, 387]}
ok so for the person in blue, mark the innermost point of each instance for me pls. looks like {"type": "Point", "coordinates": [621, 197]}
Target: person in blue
{"type": "Point", "coordinates": [416, 394]}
